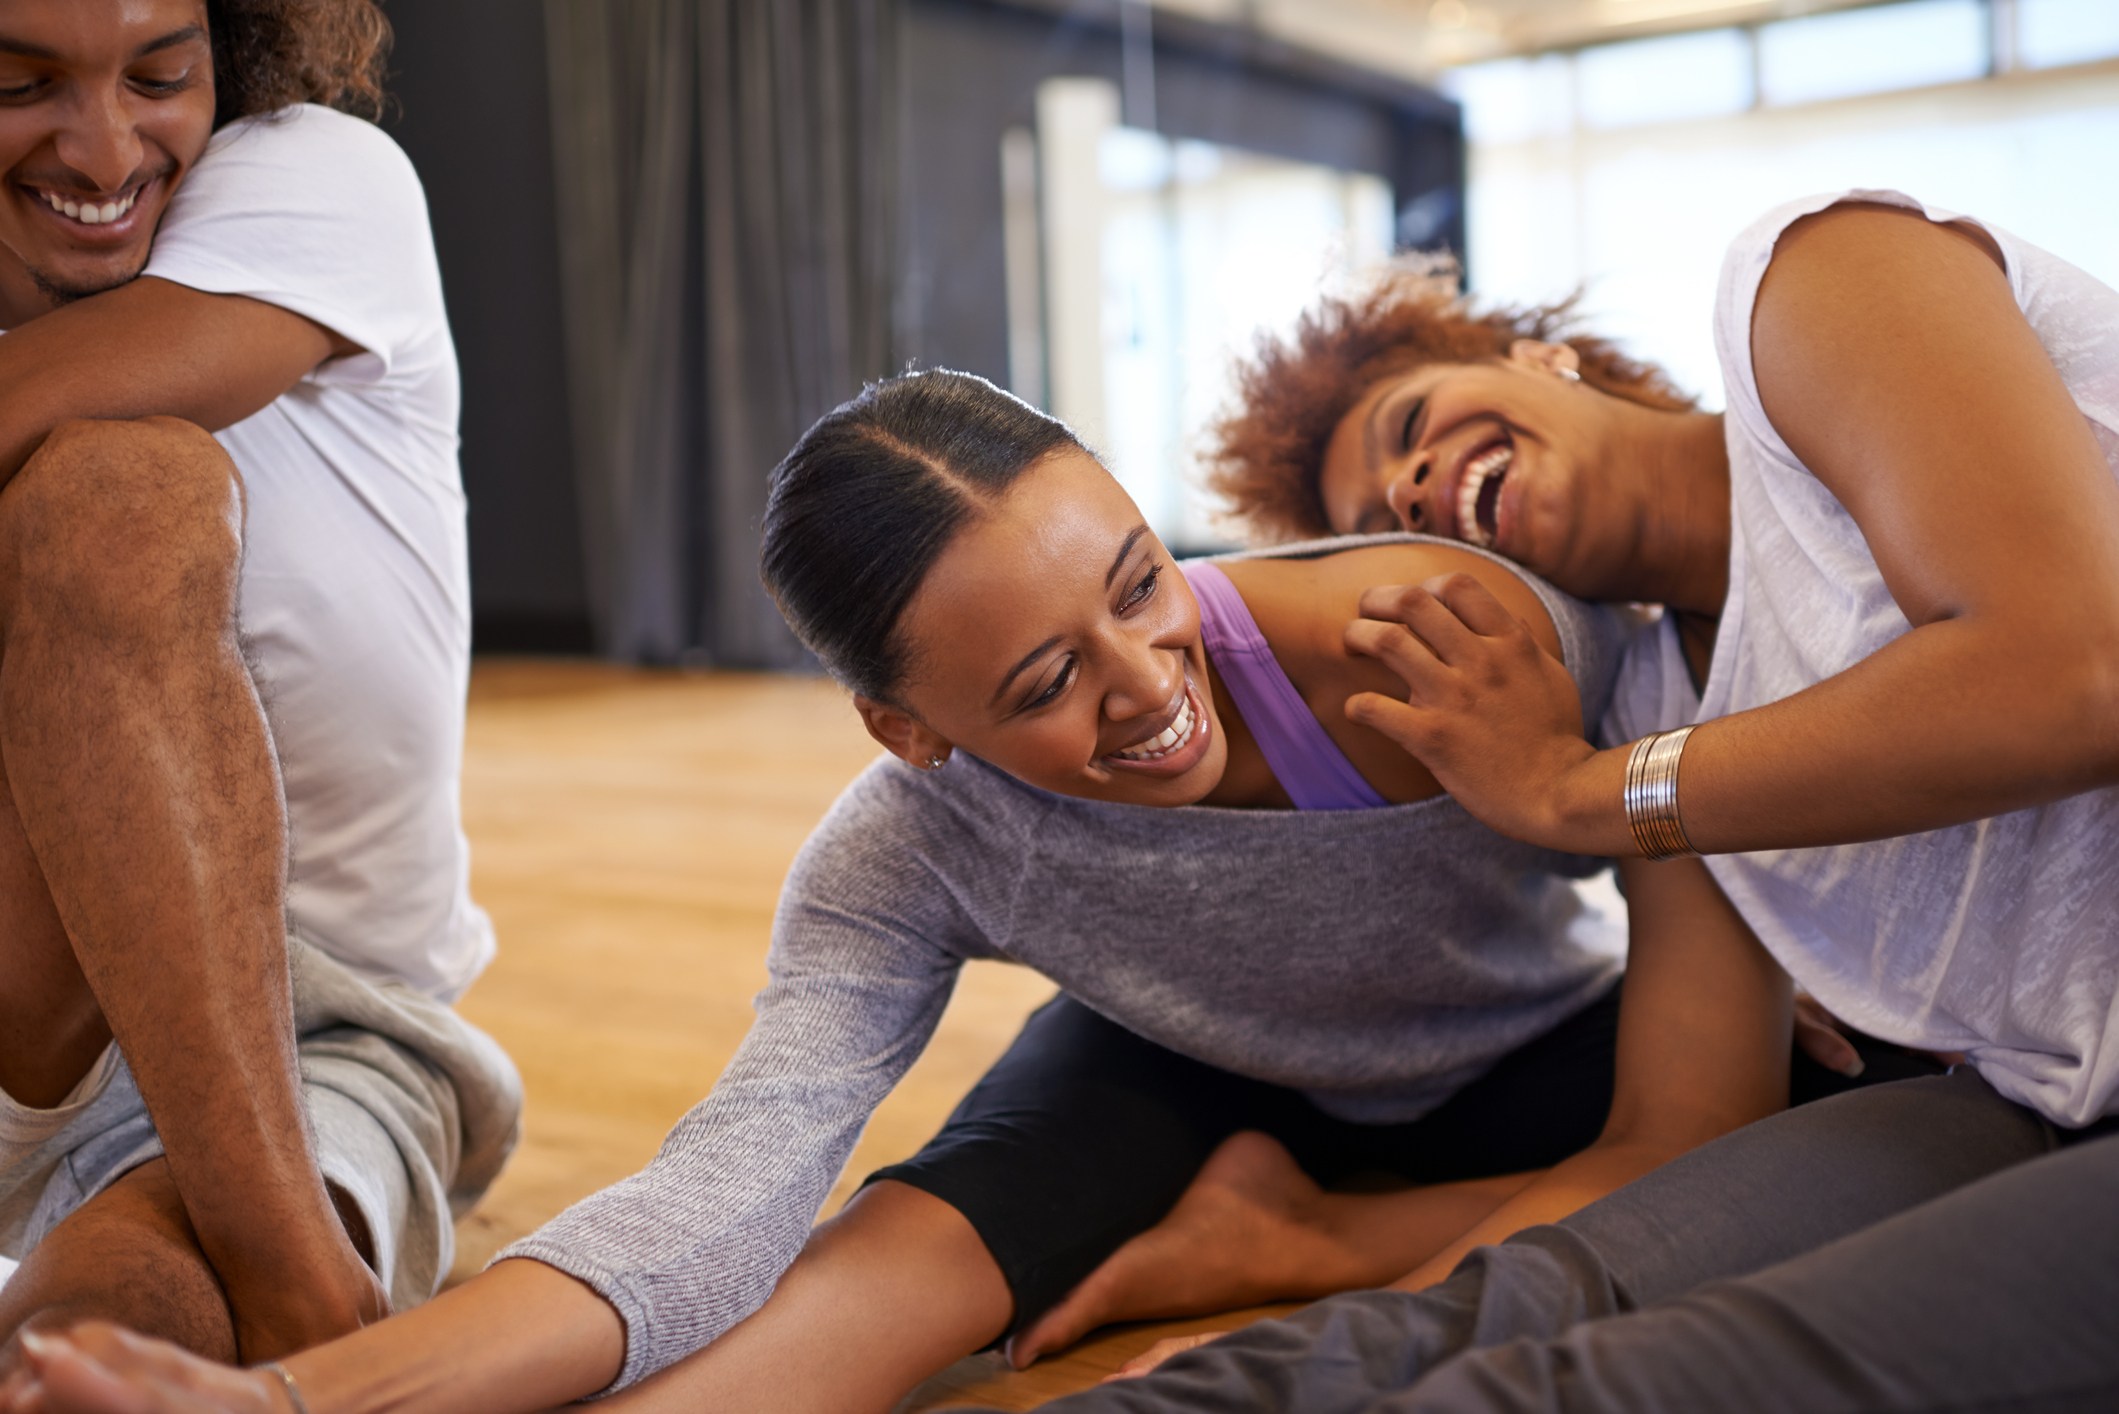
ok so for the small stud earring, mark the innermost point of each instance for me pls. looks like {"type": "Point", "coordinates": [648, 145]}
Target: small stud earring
{"type": "Point", "coordinates": [1568, 373]}
{"type": "Point", "coordinates": [934, 763]}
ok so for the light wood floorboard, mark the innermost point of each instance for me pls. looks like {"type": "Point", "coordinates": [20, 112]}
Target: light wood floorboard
{"type": "Point", "coordinates": [629, 834]}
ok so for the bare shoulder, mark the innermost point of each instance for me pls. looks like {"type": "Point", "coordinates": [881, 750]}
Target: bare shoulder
{"type": "Point", "coordinates": [1882, 340]}
{"type": "Point", "coordinates": [1311, 601]}
{"type": "Point", "coordinates": [1861, 280]}
{"type": "Point", "coordinates": [1303, 608]}
{"type": "Point", "coordinates": [1871, 230]}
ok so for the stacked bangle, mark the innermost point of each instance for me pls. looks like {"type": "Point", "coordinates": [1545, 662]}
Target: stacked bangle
{"type": "Point", "coordinates": [1652, 795]}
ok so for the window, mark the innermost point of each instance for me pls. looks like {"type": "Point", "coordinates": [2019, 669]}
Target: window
{"type": "Point", "coordinates": [1513, 100]}
{"type": "Point", "coordinates": [1636, 214]}
{"type": "Point", "coordinates": [2052, 32]}
{"type": "Point", "coordinates": [1872, 50]}
{"type": "Point", "coordinates": [1659, 80]}
{"type": "Point", "coordinates": [1161, 258]}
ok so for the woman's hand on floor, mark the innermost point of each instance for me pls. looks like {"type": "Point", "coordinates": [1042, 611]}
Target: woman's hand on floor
{"type": "Point", "coordinates": [1494, 716]}
{"type": "Point", "coordinates": [98, 1368]}
{"type": "Point", "coordinates": [1154, 1355]}
{"type": "Point", "coordinates": [1818, 1032]}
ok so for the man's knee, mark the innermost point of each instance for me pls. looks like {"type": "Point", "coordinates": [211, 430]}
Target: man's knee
{"type": "Point", "coordinates": [128, 1255]}
{"type": "Point", "coordinates": [118, 521]}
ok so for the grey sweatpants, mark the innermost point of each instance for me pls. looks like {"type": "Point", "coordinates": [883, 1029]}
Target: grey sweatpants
{"type": "Point", "coordinates": [1924, 1245]}
{"type": "Point", "coordinates": [411, 1108]}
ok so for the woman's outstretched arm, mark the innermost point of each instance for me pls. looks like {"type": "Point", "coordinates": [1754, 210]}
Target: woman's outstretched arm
{"type": "Point", "coordinates": [886, 1293]}
{"type": "Point", "coordinates": [1893, 360]}
{"type": "Point", "coordinates": [517, 1337]}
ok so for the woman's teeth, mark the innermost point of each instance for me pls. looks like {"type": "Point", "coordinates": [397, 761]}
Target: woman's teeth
{"type": "Point", "coordinates": [1168, 739]}
{"type": "Point", "coordinates": [90, 213]}
{"type": "Point", "coordinates": [1476, 512]}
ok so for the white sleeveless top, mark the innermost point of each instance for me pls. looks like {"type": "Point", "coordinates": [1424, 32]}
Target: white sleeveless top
{"type": "Point", "coordinates": [1998, 938]}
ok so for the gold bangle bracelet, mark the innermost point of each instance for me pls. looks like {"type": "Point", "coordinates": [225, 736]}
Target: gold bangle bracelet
{"type": "Point", "coordinates": [1651, 797]}
{"type": "Point", "coordinates": [294, 1391]}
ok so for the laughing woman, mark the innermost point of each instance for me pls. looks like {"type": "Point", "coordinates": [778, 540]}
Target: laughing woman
{"type": "Point", "coordinates": [1893, 570]}
{"type": "Point", "coordinates": [1284, 955]}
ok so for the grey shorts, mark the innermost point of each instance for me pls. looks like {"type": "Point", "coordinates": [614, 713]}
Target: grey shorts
{"type": "Point", "coordinates": [412, 1109]}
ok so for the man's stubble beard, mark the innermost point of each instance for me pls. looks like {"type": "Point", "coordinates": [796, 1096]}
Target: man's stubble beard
{"type": "Point", "coordinates": [60, 293]}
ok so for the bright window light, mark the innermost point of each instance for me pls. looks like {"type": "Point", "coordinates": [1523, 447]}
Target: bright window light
{"type": "Point", "coordinates": [1873, 50]}
{"type": "Point", "coordinates": [2051, 32]}
{"type": "Point", "coordinates": [1702, 75]}
{"type": "Point", "coordinates": [1514, 100]}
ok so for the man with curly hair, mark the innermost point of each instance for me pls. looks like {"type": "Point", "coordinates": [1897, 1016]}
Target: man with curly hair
{"type": "Point", "coordinates": [235, 1107]}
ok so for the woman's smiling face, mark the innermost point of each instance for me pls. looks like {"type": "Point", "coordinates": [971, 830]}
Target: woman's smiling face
{"type": "Point", "coordinates": [1488, 453]}
{"type": "Point", "coordinates": [1055, 639]}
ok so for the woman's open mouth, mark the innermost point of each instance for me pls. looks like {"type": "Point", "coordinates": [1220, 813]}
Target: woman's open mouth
{"type": "Point", "coordinates": [1176, 747]}
{"type": "Point", "coordinates": [1479, 495]}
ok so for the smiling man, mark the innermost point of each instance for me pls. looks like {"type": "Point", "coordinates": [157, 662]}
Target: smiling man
{"type": "Point", "coordinates": [235, 1108]}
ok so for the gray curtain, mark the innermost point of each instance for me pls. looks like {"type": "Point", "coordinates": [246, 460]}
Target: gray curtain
{"type": "Point", "coordinates": [724, 183]}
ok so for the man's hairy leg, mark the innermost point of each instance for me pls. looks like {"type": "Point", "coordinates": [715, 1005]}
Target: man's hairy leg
{"type": "Point", "coordinates": [145, 786]}
{"type": "Point", "coordinates": [127, 1255]}
{"type": "Point", "coordinates": [51, 1029]}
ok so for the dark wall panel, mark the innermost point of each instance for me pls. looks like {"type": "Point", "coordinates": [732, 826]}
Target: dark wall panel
{"type": "Point", "coordinates": [972, 68]}
{"type": "Point", "coordinates": [473, 113]}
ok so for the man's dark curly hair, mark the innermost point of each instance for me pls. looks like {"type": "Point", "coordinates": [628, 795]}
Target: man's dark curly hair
{"type": "Point", "coordinates": [1264, 454]}
{"type": "Point", "coordinates": [270, 54]}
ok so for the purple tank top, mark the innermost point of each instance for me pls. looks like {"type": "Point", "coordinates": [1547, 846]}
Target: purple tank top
{"type": "Point", "coordinates": [1306, 761]}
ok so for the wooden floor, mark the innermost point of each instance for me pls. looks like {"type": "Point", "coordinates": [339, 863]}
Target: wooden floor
{"type": "Point", "coordinates": [629, 833]}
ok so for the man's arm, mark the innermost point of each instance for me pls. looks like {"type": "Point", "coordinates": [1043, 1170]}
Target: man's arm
{"type": "Point", "coordinates": [151, 348]}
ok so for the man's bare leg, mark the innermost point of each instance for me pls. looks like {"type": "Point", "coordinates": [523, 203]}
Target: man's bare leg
{"type": "Point", "coordinates": [889, 1292]}
{"type": "Point", "coordinates": [126, 1255]}
{"type": "Point", "coordinates": [144, 785]}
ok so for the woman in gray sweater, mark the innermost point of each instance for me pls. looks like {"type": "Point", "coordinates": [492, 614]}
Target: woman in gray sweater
{"type": "Point", "coordinates": [1090, 773]}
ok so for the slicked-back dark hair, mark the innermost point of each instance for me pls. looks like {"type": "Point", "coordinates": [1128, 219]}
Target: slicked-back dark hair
{"type": "Point", "coordinates": [271, 54]}
{"type": "Point", "coordinates": [858, 512]}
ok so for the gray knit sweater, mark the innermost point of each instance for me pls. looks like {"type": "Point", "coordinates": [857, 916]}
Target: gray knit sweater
{"type": "Point", "coordinates": [1376, 960]}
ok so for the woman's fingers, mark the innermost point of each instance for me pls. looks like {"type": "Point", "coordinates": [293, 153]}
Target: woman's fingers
{"type": "Point", "coordinates": [1401, 722]}
{"type": "Point", "coordinates": [1817, 1032]}
{"type": "Point", "coordinates": [1474, 605]}
{"type": "Point", "coordinates": [1402, 651]}
{"type": "Point", "coordinates": [97, 1368]}
{"type": "Point", "coordinates": [1417, 607]}
{"type": "Point", "coordinates": [65, 1379]}
{"type": "Point", "coordinates": [1155, 1354]}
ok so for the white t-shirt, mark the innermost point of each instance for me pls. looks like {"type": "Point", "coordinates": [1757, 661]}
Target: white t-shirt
{"type": "Point", "coordinates": [355, 591]}
{"type": "Point", "coordinates": [1998, 938]}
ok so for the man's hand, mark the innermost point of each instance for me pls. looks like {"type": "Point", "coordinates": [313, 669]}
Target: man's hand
{"type": "Point", "coordinates": [1494, 716]}
{"type": "Point", "coordinates": [97, 1368]}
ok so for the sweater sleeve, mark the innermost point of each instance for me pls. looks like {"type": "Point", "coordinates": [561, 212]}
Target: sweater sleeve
{"type": "Point", "coordinates": [866, 948]}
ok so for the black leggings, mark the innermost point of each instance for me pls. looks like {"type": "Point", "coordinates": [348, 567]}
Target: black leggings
{"type": "Point", "coordinates": [1084, 1134]}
